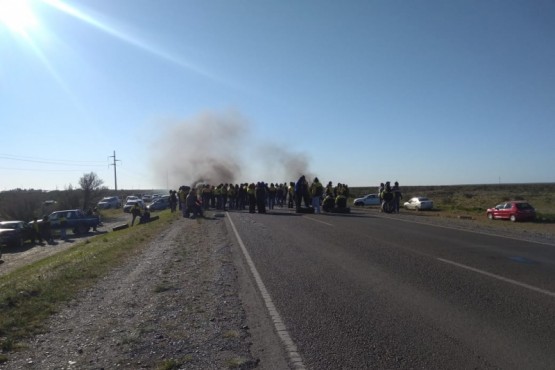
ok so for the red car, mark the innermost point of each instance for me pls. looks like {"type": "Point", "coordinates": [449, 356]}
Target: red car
{"type": "Point", "coordinates": [517, 210]}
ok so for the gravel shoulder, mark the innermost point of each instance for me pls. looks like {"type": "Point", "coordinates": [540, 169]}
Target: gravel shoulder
{"type": "Point", "coordinates": [178, 304]}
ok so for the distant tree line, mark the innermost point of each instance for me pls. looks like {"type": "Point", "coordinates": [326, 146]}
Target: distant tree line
{"type": "Point", "coordinates": [20, 204]}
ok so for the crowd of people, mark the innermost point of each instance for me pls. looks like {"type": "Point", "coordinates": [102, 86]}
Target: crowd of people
{"type": "Point", "coordinates": [260, 196]}
{"type": "Point", "coordinates": [390, 197]}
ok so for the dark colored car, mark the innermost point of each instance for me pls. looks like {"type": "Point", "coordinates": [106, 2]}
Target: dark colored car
{"type": "Point", "coordinates": [15, 233]}
{"type": "Point", "coordinates": [159, 204]}
{"type": "Point", "coordinates": [517, 210]}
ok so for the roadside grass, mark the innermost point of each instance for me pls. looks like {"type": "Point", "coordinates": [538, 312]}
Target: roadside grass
{"type": "Point", "coordinates": [31, 294]}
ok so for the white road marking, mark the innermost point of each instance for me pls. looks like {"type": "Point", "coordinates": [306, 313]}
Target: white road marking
{"type": "Point", "coordinates": [498, 277]}
{"type": "Point", "coordinates": [290, 347]}
{"type": "Point", "coordinates": [314, 219]}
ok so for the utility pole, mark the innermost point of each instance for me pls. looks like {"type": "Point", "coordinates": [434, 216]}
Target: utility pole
{"type": "Point", "coordinates": [115, 174]}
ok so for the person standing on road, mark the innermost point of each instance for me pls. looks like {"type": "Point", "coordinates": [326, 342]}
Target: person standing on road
{"type": "Point", "coordinates": [173, 201]}
{"type": "Point", "coordinates": [260, 195]}
{"type": "Point", "coordinates": [63, 225]}
{"type": "Point", "coordinates": [251, 191]}
{"type": "Point", "coordinates": [301, 192]}
{"type": "Point", "coordinates": [47, 230]}
{"type": "Point", "coordinates": [316, 192]}
{"type": "Point", "coordinates": [36, 231]}
{"type": "Point", "coordinates": [380, 193]}
{"type": "Point", "coordinates": [397, 196]}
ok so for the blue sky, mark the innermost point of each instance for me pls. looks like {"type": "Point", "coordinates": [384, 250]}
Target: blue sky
{"type": "Point", "coordinates": [357, 92]}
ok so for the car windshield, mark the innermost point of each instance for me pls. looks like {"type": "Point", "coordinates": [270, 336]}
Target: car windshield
{"type": "Point", "coordinates": [423, 199]}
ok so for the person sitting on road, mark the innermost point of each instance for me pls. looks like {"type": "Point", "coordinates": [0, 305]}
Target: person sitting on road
{"type": "Point", "coordinates": [193, 204]}
{"type": "Point", "coordinates": [136, 212]}
{"type": "Point", "coordinates": [145, 217]}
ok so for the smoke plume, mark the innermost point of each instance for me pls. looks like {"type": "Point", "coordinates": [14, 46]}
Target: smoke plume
{"type": "Point", "coordinates": [217, 148]}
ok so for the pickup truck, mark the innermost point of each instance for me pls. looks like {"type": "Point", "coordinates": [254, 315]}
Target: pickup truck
{"type": "Point", "coordinates": [76, 220]}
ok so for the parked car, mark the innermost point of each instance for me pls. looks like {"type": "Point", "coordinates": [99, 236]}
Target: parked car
{"type": "Point", "coordinates": [147, 198]}
{"type": "Point", "coordinates": [75, 220]}
{"type": "Point", "coordinates": [367, 200]}
{"type": "Point", "coordinates": [109, 202]}
{"type": "Point", "coordinates": [159, 204]}
{"type": "Point", "coordinates": [15, 233]}
{"type": "Point", "coordinates": [131, 197]}
{"type": "Point", "coordinates": [517, 210]}
{"type": "Point", "coordinates": [419, 203]}
{"type": "Point", "coordinates": [127, 207]}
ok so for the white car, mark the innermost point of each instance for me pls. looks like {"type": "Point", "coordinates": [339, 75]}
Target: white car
{"type": "Point", "coordinates": [419, 203]}
{"type": "Point", "coordinates": [109, 202]}
{"type": "Point", "coordinates": [127, 207]}
{"type": "Point", "coordinates": [131, 197]}
{"type": "Point", "coordinates": [367, 200]}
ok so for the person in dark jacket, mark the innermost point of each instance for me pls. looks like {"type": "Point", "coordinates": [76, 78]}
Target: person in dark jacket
{"type": "Point", "coordinates": [397, 197]}
{"type": "Point", "coordinates": [193, 204]}
{"type": "Point", "coordinates": [47, 230]}
{"type": "Point", "coordinates": [260, 194]}
{"type": "Point", "coordinates": [301, 192]}
{"type": "Point", "coordinates": [36, 235]}
{"type": "Point", "coordinates": [136, 212]}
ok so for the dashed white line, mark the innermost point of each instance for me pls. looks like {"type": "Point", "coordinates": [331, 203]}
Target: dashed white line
{"type": "Point", "coordinates": [314, 219]}
{"type": "Point", "coordinates": [290, 347]}
{"type": "Point", "coordinates": [498, 277]}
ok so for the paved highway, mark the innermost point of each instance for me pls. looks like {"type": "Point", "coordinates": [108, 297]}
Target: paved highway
{"type": "Point", "coordinates": [372, 291]}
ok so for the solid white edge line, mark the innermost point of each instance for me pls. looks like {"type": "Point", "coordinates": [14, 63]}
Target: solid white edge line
{"type": "Point", "coordinates": [289, 345]}
{"type": "Point", "coordinates": [498, 277]}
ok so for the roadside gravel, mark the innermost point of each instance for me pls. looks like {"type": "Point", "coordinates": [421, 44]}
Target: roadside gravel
{"type": "Point", "coordinates": [175, 305]}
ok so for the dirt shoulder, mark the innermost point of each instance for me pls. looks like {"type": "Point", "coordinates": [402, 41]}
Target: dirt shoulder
{"type": "Point", "coordinates": [176, 305]}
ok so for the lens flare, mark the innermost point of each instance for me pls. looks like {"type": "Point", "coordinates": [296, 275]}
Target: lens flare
{"type": "Point", "coordinates": [17, 16]}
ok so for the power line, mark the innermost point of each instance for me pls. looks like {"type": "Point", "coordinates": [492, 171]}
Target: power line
{"type": "Point", "coordinates": [60, 162]}
{"type": "Point", "coordinates": [37, 169]}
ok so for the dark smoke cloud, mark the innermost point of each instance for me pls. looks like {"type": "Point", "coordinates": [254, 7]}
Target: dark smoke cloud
{"type": "Point", "coordinates": [206, 148]}
{"type": "Point", "coordinates": [218, 148]}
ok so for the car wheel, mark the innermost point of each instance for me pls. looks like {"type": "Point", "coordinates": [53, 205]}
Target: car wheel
{"type": "Point", "coordinates": [358, 204]}
{"type": "Point", "coordinates": [513, 218]}
{"type": "Point", "coordinates": [490, 216]}
{"type": "Point", "coordinates": [417, 208]}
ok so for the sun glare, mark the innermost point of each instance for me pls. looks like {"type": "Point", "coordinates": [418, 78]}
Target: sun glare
{"type": "Point", "coordinates": [17, 16]}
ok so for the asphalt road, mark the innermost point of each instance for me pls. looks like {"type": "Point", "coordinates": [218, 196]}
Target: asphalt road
{"type": "Point", "coordinates": [368, 291]}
